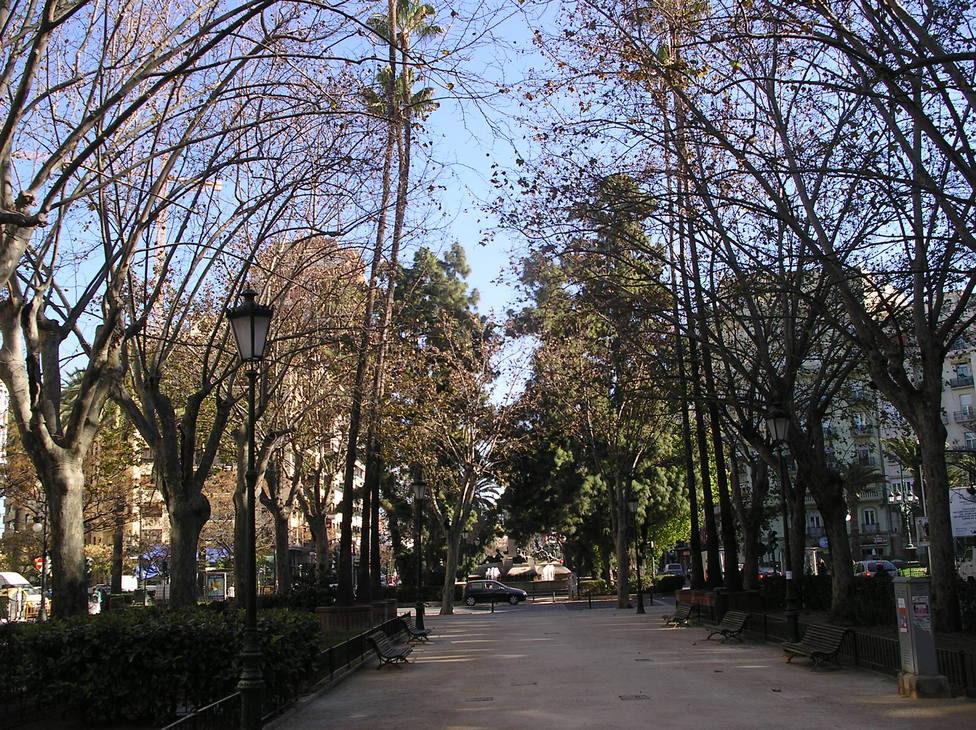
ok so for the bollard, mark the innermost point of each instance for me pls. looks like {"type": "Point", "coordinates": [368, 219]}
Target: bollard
{"type": "Point", "coordinates": [492, 605]}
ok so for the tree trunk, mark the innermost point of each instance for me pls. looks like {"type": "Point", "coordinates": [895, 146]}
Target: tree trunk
{"type": "Point", "coordinates": [118, 536]}
{"type": "Point", "coordinates": [318, 526]}
{"type": "Point", "coordinates": [834, 515]}
{"type": "Point", "coordinates": [942, 568]}
{"type": "Point", "coordinates": [64, 486]}
{"type": "Point", "coordinates": [620, 545]}
{"type": "Point", "coordinates": [450, 568]}
{"type": "Point", "coordinates": [283, 578]}
{"type": "Point", "coordinates": [798, 531]}
{"type": "Point", "coordinates": [375, 559]}
{"type": "Point", "coordinates": [854, 536]}
{"type": "Point", "coordinates": [241, 582]}
{"type": "Point", "coordinates": [364, 593]}
{"type": "Point", "coordinates": [750, 516]}
{"type": "Point", "coordinates": [187, 518]}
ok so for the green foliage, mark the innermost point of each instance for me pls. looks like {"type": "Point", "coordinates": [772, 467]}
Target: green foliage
{"type": "Point", "coordinates": [594, 587]}
{"type": "Point", "coordinates": [967, 604]}
{"type": "Point", "coordinates": [106, 667]}
{"type": "Point", "coordinates": [874, 598]}
{"type": "Point", "coordinates": [302, 597]}
{"type": "Point", "coordinates": [669, 583]}
{"type": "Point", "coordinates": [816, 591]}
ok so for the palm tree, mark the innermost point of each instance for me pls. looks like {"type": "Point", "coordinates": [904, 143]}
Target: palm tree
{"type": "Point", "coordinates": [855, 478]}
{"type": "Point", "coordinates": [403, 22]}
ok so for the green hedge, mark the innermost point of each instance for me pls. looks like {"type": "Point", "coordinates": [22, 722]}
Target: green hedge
{"type": "Point", "coordinates": [593, 586]}
{"type": "Point", "coordinates": [669, 583]}
{"type": "Point", "coordinates": [140, 666]}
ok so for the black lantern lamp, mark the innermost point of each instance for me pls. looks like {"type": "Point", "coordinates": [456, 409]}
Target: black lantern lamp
{"type": "Point", "coordinates": [250, 322]}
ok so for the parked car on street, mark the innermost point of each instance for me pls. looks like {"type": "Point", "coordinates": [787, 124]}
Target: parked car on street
{"type": "Point", "coordinates": [766, 571]}
{"type": "Point", "coordinates": [484, 591]}
{"type": "Point", "coordinates": [871, 568]}
{"type": "Point", "coordinates": [673, 569]}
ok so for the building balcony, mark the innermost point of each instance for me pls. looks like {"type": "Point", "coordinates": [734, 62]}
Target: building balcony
{"type": "Point", "coordinates": [866, 460]}
{"type": "Point", "coordinates": [964, 416]}
{"type": "Point", "coordinates": [862, 429]}
{"type": "Point", "coordinates": [961, 381]}
{"type": "Point", "coordinates": [870, 529]}
{"type": "Point", "coordinates": [815, 532]}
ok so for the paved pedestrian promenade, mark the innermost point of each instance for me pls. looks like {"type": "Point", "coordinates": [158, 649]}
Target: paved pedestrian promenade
{"type": "Point", "coordinates": [543, 666]}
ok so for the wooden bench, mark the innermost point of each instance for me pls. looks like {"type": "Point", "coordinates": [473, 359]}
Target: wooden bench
{"type": "Point", "coordinates": [413, 633]}
{"type": "Point", "coordinates": [386, 650]}
{"type": "Point", "coordinates": [731, 625]}
{"type": "Point", "coordinates": [680, 617]}
{"type": "Point", "coordinates": [820, 642]}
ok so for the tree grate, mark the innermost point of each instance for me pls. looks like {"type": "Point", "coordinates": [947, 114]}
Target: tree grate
{"type": "Point", "coordinates": [627, 698]}
{"type": "Point", "coordinates": [481, 699]}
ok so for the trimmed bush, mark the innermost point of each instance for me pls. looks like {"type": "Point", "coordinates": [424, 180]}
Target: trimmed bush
{"type": "Point", "coordinates": [669, 583]}
{"type": "Point", "coordinates": [143, 665]}
{"type": "Point", "coordinates": [593, 586]}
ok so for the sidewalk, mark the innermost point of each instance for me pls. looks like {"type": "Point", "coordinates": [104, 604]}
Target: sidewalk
{"type": "Point", "coordinates": [544, 666]}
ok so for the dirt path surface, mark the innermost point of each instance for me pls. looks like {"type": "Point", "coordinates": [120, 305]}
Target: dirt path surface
{"type": "Point", "coordinates": [543, 666]}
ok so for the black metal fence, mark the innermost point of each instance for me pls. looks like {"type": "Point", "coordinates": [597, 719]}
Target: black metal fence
{"type": "Point", "coordinates": [880, 653]}
{"type": "Point", "coordinates": [331, 664]}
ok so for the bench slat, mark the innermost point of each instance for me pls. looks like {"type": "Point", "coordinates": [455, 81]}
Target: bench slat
{"type": "Point", "coordinates": [731, 626]}
{"type": "Point", "coordinates": [386, 651]}
{"type": "Point", "coordinates": [414, 633]}
{"type": "Point", "coordinates": [681, 615]}
{"type": "Point", "coordinates": [820, 642]}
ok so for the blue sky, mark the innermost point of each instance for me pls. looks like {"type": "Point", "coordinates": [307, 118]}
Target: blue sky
{"type": "Point", "coordinates": [465, 142]}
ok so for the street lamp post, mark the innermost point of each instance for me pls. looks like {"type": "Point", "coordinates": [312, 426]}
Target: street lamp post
{"type": "Point", "coordinates": [632, 506]}
{"type": "Point", "coordinates": [40, 525]}
{"type": "Point", "coordinates": [419, 486]}
{"type": "Point", "coordinates": [778, 424]}
{"type": "Point", "coordinates": [250, 322]}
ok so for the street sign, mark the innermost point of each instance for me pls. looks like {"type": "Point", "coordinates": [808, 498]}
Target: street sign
{"type": "Point", "coordinates": [962, 512]}
{"type": "Point", "coordinates": [38, 563]}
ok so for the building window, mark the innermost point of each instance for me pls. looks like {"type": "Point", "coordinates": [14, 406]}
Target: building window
{"type": "Point", "coordinates": [970, 440]}
{"type": "Point", "coordinates": [815, 520]}
{"type": "Point", "coordinates": [963, 370]}
{"type": "Point", "coordinates": [869, 517]}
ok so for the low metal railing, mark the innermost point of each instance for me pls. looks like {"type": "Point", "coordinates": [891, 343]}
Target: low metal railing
{"type": "Point", "coordinates": [331, 664]}
{"type": "Point", "coordinates": [880, 653]}
{"type": "Point", "coordinates": [220, 715]}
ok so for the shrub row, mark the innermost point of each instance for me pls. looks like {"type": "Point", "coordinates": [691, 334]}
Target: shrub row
{"type": "Point", "coordinates": [144, 665]}
{"type": "Point", "coordinates": [874, 598]}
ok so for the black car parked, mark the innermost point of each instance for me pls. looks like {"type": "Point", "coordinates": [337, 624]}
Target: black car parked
{"type": "Point", "coordinates": [483, 591]}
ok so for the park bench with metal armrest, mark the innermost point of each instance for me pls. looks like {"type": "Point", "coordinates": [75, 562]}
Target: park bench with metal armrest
{"type": "Point", "coordinates": [386, 651]}
{"type": "Point", "coordinates": [413, 633]}
{"type": "Point", "coordinates": [731, 625]}
{"type": "Point", "coordinates": [681, 615]}
{"type": "Point", "coordinates": [820, 642]}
